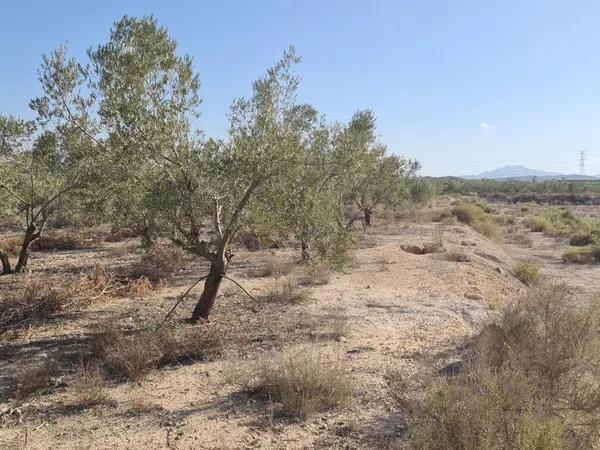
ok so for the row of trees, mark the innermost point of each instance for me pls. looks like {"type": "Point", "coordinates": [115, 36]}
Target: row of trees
{"type": "Point", "coordinates": [115, 138]}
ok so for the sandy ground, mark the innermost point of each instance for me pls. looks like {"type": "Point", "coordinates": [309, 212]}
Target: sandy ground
{"type": "Point", "coordinates": [404, 312]}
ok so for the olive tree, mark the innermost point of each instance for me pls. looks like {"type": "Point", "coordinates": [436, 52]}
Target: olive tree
{"type": "Point", "coordinates": [234, 181]}
{"type": "Point", "coordinates": [371, 176]}
{"type": "Point", "coordinates": [32, 181]}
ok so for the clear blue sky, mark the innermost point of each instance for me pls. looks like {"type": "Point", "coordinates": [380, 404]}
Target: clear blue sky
{"type": "Point", "coordinates": [463, 86]}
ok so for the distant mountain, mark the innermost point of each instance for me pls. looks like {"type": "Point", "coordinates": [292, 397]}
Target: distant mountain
{"type": "Point", "coordinates": [524, 173]}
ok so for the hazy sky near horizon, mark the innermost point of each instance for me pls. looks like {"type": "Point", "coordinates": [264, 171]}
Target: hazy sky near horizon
{"type": "Point", "coordinates": [463, 86]}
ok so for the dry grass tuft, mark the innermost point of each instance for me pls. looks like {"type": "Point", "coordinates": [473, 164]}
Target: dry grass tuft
{"type": "Point", "coordinates": [301, 382]}
{"type": "Point", "coordinates": [89, 389]}
{"type": "Point", "coordinates": [315, 275]}
{"type": "Point", "coordinates": [36, 378]}
{"type": "Point", "coordinates": [132, 355]}
{"type": "Point", "coordinates": [274, 266]}
{"type": "Point", "coordinates": [582, 255]}
{"type": "Point", "coordinates": [286, 290]}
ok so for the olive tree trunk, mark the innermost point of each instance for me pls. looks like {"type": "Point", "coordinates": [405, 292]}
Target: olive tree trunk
{"type": "Point", "coordinates": [368, 220]}
{"type": "Point", "coordinates": [5, 263]}
{"type": "Point", "coordinates": [218, 268]}
{"type": "Point", "coordinates": [30, 236]}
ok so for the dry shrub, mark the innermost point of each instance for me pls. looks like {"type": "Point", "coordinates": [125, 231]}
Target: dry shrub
{"type": "Point", "coordinates": [132, 355]}
{"type": "Point", "coordinates": [65, 240]}
{"type": "Point", "coordinates": [520, 239]}
{"type": "Point", "coordinates": [36, 378]}
{"type": "Point", "coordinates": [583, 238]}
{"type": "Point", "coordinates": [286, 290]}
{"type": "Point", "coordinates": [11, 244]}
{"type": "Point", "coordinates": [527, 272]}
{"type": "Point", "coordinates": [582, 255]}
{"type": "Point", "coordinates": [457, 256]}
{"type": "Point", "coordinates": [489, 228]}
{"type": "Point", "coordinates": [158, 265]}
{"type": "Point", "coordinates": [301, 382]}
{"type": "Point", "coordinates": [36, 301]}
{"type": "Point", "coordinates": [117, 234]}
{"type": "Point", "coordinates": [274, 266]}
{"type": "Point", "coordinates": [538, 223]}
{"type": "Point", "coordinates": [39, 299]}
{"type": "Point", "coordinates": [89, 389]}
{"type": "Point", "coordinates": [315, 275]}
{"type": "Point", "coordinates": [531, 381]}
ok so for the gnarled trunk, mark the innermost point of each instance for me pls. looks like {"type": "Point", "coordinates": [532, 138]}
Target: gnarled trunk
{"type": "Point", "coordinates": [218, 268]}
{"type": "Point", "coordinates": [30, 236]}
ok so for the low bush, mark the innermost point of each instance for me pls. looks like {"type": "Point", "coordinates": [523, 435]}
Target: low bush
{"type": "Point", "coordinates": [457, 256]}
{"type": "Point", "coordinates": [89, 389]}
{"type": "Point", "coordinates": [35, 301]}
{"type": "Point", "coordinates": [35, 378]}
{"type": "Point", "coordinates": [65, 240]}
{"type": "Point", "coordinates": [529, 381]}
{"type": "Point", "coordinates": [315, 275]}
{"type": "Point", "coordinates": [158, 265]}
{"type": "Point", "coordinates": [477, 218]}
{"type": "Point", "coordinates": [11, 244]}
{"type": "Point", "coordinates": [538, 223]}
{"type": "Point", "coordinates": [132, 355]}
{"type": "Point", "coordinates": [520, 239]}
{"type": "Point", "coordinates": [274, 266]}
{"type": "Point", "coordinates": [286, 290]}
{"type": "Point", "coordinates": [582, 238]}
{"type": "Point", "coordinates": [582, 255]}
{"type": "Point", "coordinates": [527, 272]}
{"type": "Point", "coordinates": [301, 382]}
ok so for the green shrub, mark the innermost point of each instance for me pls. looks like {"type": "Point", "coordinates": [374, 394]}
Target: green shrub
{"type": "Point", "coordinates": [477, 218]}
{"type": "Point", "coordinates": [538, 223]}
{"type": "Point", "coordinates": [527, 272]}
{"type": "Point", "coordinates": [582, 255]}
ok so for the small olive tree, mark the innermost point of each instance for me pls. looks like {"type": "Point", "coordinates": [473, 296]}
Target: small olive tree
{"type": "Point", "coordinates": [369, 177]}
{"type": "Point", "coordinates": [32, 182]}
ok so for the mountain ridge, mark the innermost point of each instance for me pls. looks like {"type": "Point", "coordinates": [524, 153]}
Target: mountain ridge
{"type": "Point", "coordinates": [519, 172]}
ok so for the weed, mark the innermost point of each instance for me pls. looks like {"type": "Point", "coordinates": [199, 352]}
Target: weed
{"type": "Point", "coordinates": [302, 382]}
{"type": "Point", "coordinates": [527, 272]}
{"type": "Point", "coordinates": [286, 290]}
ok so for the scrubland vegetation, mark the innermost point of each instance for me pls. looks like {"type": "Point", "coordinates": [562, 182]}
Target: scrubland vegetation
{"type": "Point", "coordinates": [335, 281]}
{"type": "Point", "coordinates": [529, 381]}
